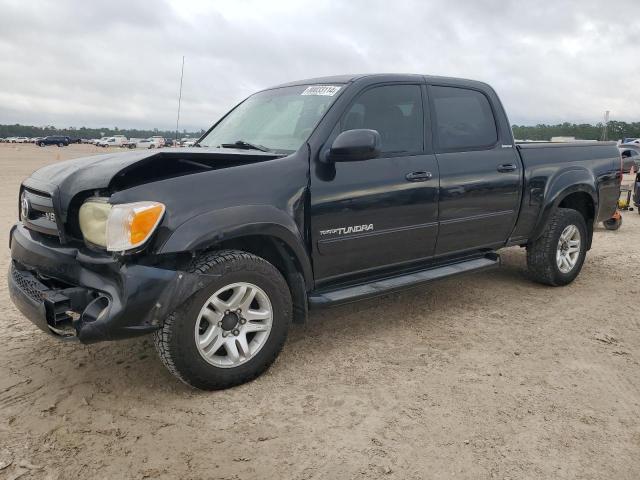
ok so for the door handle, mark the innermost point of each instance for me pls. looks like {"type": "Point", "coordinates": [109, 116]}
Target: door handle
{"type": "Point", "coordinates": [507, 167]}
{"type": "Point", "coordinates": [418, 176]}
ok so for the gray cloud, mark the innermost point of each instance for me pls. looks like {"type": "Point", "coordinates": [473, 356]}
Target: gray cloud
{"type": "Point", "coordinates": [116, 63]}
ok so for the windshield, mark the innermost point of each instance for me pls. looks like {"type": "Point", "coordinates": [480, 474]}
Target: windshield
{"type": "Point", "coordinates": [278, 120]}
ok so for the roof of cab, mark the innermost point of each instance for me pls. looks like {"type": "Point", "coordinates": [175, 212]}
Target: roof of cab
{"type": "Point", "coordinates": [384, 77]}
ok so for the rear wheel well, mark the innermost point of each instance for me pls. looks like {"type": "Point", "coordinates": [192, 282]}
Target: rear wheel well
{"type": "Point", "coordinates": [280, 255]}
{"type": "Point", "coordinates": [582, 203]}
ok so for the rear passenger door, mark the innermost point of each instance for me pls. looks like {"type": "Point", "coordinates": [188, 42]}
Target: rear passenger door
{"type": "Point", "coordinates": [480, 170]}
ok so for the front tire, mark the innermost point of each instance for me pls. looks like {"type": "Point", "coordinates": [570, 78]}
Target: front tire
{"type": "Point", "coordinates": [556, 257]}
{"type": "Point", "coordinates": [230, 331]}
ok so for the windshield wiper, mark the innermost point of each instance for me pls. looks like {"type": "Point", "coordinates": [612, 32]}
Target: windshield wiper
{"type": "Point", "coordinates": [245, 145]}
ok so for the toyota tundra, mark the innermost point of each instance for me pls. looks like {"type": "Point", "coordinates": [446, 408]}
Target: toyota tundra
{"type": "Point", "coordinates": [305, 195]}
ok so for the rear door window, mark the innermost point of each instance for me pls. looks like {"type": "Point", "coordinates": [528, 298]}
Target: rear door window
{"type": "Point", "coordinates": [463, 119]}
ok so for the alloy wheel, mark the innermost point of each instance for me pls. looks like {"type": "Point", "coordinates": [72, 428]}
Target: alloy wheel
{"type": "Point", "coordinates": [233, 325]}
{"type": "Point", "coordinates": [568, 250]}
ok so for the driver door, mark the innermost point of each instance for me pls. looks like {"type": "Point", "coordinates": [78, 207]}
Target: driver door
{"type": "Point", "coordinates": [383, 212]}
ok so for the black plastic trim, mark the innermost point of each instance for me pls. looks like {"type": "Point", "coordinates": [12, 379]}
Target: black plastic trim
{"type": "Point", "coordinates": [400, 282]}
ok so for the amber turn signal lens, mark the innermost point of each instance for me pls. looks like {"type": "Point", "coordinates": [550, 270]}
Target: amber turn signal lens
{"type": "Point", "coordinates": [143, 223]}
{"type": "Point", "coordinates": [131, 224]}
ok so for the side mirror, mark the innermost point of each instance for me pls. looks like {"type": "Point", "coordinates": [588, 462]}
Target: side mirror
{"type": "Point", "coordinates": [355, 146]}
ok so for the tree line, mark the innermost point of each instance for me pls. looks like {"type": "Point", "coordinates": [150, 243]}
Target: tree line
{"type": "Point", "coordinates": [581, 131]}
{"type": "Point", "coordinates": [18, 130]}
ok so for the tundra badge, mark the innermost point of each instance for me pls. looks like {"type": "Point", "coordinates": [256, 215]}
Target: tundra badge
{"type": "Point", "coordinates": [347, 230]}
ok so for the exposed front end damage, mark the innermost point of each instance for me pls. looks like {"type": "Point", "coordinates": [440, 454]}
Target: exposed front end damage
{"type": "Point", "coordinates": [74, 294]}
{"type": "Point", "coordinates": [71, 284]}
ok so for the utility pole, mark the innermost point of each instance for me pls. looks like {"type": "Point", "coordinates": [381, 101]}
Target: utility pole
{"type": "Point", "coordinates": [179, 99]}
{"type": "Point", "coordinates": [605, 126]}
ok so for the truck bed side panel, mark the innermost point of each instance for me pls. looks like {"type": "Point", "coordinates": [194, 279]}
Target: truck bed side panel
{"type": "Point", "coordinates": [553, 170]}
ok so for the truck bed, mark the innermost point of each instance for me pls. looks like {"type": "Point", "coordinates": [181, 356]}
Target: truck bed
{"type": "Point", "coordinates": [546, 164]}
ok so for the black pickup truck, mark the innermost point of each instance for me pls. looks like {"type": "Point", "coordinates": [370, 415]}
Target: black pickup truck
{"type": "Point", "coordinates": [58, 140]}
{"type": "Point", "coordinates": [305, 195]}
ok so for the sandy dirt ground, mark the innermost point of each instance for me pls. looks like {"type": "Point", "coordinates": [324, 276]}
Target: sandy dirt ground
{"type": "Point", "coordinates": [479, 377]}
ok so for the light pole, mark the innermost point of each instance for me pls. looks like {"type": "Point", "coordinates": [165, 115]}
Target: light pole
{"type": "Point", "coordinates": [179, 99]}
{"type": "Point", "coordinates": [605, 127]}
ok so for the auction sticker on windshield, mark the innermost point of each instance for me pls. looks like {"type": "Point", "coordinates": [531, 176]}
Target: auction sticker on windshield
{"type": "Point", "coordinates": [326, 90]}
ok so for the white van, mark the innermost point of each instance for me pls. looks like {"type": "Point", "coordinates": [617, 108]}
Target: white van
{"type": "Point", "coordinates": [115, 141]}
{"type": "Point", "coordinates": [157, 141]}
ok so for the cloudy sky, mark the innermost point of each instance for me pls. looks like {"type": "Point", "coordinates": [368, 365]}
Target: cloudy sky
{"type": "Point", "coordinates": [117, 62]}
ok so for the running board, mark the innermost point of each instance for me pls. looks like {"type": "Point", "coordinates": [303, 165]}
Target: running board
{"type": "Point", "coordinates": [388, 285]}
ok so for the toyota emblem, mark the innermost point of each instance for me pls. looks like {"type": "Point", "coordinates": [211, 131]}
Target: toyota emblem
{"type": "Point", "coordinates": [25, 208]}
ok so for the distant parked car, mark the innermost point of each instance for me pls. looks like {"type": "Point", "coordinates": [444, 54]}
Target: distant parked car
{"type": "Point", "coordinates": [54, 140]}
{"type": "Point", "coordinates": [115, 141]}
{"type": "Point", "coordinates": [188, 142]}
{"type": "Point", "coordinates": [106, 142]}
{"type": "Point", "coordinates": [19, 140]}
{"type": "Point", "coordinates": [74, 139]}
{"type": "Point", "coordinates": [158, 141]}
{"type": "Point", "coordinates": [630, 154]}
{"type": "Point", "coordinates": [129, 142]}
{"type": "Point", "coordinates": [142, 143]}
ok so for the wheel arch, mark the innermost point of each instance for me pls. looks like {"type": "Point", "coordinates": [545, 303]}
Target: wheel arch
{"type": "Point", "coordinates": [283, 257]}
{"type": "Point", "coordinates": [261, 230]}
{"type": "Point", "coordinates": [574, 189]}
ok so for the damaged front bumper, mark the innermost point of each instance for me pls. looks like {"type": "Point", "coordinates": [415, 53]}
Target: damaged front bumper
{"type": "Point", "coordinates": [78, 294]}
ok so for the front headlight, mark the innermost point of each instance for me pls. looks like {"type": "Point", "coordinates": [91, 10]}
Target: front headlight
{"type": "Point", "coordinates": [119, 227]}
{"type": "Point", "coordinates": [93, 217]}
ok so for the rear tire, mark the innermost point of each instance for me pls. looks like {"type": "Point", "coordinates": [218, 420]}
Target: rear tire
{"type": "Point", "coordinates": [206, 356]}
{"type": "Point", "coordinates": [556, 257]}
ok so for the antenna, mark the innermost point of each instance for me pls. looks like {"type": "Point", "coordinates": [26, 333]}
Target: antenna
{"type": "Point", "coordinates": [605, 126]}
{"type": "Point", "coordinates": [179, 99]}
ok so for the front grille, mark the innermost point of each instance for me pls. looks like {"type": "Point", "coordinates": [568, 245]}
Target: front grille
{"type": "Point", "coordinates": [37, 212]}
{"type": "Point", "coordinates": [57, 306]}
{"type": "Point", "coordinates": [29, 285]}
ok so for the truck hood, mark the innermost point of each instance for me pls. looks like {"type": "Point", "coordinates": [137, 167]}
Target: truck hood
{"type": "Point", "coordinates": [118, 171]}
